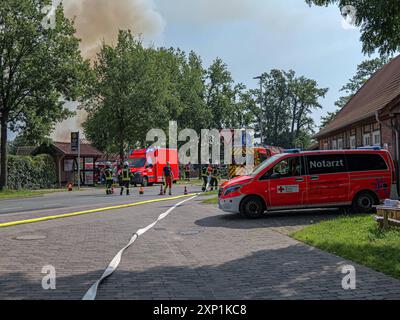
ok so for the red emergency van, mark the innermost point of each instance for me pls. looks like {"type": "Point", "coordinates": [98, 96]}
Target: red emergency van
{"type": "Point", "coordinates": [147, 165]}
{"type": "Point", "coordinates": [312, 179]}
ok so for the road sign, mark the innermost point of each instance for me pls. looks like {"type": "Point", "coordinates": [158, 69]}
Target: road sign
{"type": "Point", "coordinates": [74, 141]}
{"type": "Point", "coordinates": [76, 147]}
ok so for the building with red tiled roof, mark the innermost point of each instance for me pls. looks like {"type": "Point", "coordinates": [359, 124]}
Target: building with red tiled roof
{"type": "Point", "coordinates": [371, 117]}
{"type": "Point", "coordinates": [67, 161]}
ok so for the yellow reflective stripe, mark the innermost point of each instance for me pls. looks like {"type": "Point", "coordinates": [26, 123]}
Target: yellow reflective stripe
{"type": "Point", "coordinates": [72, 214]}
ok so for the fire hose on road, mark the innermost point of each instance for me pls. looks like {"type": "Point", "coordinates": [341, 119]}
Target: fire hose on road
{"type": "Point", "coordinates": [113, 265]}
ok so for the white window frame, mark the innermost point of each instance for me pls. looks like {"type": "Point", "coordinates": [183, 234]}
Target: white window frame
{"type": "Point", "coordinates": [340, 143]}
{"type": "Point", "coordinates": [376, 133]}
{"type": "Point", "coordinates": [353, 142]}
{"type": "Point", "coordinates": [366, 136]}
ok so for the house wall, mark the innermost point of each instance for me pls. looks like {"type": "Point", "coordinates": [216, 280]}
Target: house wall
{"type": "Point", "coordinates": [361, 131]}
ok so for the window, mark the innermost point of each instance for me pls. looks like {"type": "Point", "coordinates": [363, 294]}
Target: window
{"type": "Point", "coordinates": [325, 147]}
{"type": "Point", "coordinates": [340, 143]}
{"type": "Point", "coordinates": [334, 144]}
{"type": "Point", "coordinates": [367, 139]}
{"type": "Point", "coordinates": [289, 167]}
{"type": "Point", "coordinates": [265, 164]}
{"type": "Point", "coordinates": [327, 163]}
{"type": "Point", "coordinates": [376, 138]}
{"type": "Point", "coordinates": [365, 162]}
{"type": "Point", "coordinates": [352, 142]}
{"type": "Point", "coordinates": [137, 162]}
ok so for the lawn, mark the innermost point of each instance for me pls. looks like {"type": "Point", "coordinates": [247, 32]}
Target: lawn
{"type": "Point", "coordinates": [359, 239]}
{"type": "Point", "coordinates": [213, 200]}
{"type": "Point", "coordinates": [11, 194]}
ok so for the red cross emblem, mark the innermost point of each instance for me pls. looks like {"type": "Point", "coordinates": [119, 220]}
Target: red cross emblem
{"type": "Point", "coordinates": [281, 189]}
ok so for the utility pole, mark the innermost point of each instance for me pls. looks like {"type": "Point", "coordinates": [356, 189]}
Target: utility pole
{"type": "Point", "coordinates": [261, 106]}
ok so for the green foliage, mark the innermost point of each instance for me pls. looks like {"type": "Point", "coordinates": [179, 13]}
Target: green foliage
{"type": "Point", "coordinates": [31, 172]}
{"type": "Point", "coordinates": [134, 89]}
{"type": "Point", "coordinates": [357, 238]}
{"type": "Point", "coordinates": [39, 69]}
{"type": "Point", "coordinates": [379, 22]}
{"type": "Point", "coordinates": [284, 112]}
{"type": "Point", "coordinates": [365, 70]}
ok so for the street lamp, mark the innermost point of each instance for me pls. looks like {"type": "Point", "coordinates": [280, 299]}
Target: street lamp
{"type": "Point", "coordinates": [261, 105]}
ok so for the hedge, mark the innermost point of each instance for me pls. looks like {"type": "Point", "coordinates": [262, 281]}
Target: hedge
{"type": "Point", "coordinates": [26, 172]}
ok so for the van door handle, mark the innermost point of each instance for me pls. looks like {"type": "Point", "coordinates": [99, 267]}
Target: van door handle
{"type": "Point", "coordinates": [299, 179]}
{"type": "Point", "coordinates": [314, 178]}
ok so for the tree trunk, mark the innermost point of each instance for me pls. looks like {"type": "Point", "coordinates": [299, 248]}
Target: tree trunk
{"type": "Point", "coordinates": [3, 151]}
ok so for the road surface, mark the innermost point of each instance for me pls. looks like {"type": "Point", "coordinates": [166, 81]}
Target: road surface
{"type": "Point", "coordinates": [197, 252]}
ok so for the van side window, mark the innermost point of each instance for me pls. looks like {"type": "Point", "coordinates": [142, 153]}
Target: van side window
{"type": "Point", "coordinates": [326, 163]}
{"type": "Point", "coordinates": [289, 167]}
{"type": "Point", "coordinates": [365, 162]}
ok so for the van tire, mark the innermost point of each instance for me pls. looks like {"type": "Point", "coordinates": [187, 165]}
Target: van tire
{"type": "Point", "coordinates": [363, 202]}
{"type": "Point", "coordinates": [252, 207]}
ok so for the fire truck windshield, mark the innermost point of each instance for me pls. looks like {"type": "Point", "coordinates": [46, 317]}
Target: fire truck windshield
{"type": "Point", "coordinates": [137, 162]}
{"type": "Point", "coordinates": [265, 164]}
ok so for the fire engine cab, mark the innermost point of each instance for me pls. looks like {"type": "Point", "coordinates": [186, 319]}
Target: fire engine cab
{"type": "Point", "coordinates": [312, 179]}
{"type": "Point", "coordinates": [147, 165]}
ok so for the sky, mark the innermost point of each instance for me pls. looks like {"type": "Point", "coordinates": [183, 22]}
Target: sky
{"type": "Point", "coordinates": [255, 36]}
{"type": "Point", "coordinates": [250, 36]}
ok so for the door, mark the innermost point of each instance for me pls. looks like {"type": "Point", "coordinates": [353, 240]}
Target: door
{"type": "Point", "coordinates": [327, 180]}
{"type": "Point", "coordinates": [287, 183]}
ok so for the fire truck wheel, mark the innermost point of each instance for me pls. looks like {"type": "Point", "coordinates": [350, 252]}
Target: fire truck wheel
{"type": "Point", "coordinates": [145, 182]}
{"type": "Point", "coordinates": [252, 207]}
{"type": "Point", "coordinates": [363, 202]}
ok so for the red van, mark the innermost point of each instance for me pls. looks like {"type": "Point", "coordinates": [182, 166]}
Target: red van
{"type": "Point", "coordinates": [147, 165]}
{"type": "Point", "coordinates": [312, 179]}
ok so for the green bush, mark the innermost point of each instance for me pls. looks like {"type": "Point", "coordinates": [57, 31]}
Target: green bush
{"type": "Point", "coordinates": [26, 172]}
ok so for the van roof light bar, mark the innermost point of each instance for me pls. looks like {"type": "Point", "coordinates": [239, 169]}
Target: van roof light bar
{"type": "Point", "coordinates": [370, 148]}
{"type": "Point", "coordinates": [292, 150]}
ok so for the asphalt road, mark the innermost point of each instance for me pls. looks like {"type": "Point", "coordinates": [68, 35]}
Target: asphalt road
{"type": "Point", "coordinates": [65, 202]}
{"type": "Point", "coordinates": [197, 252]}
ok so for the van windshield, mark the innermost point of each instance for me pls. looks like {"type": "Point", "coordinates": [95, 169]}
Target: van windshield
{"type": "Point", "coordinates": [137, 162]}
{"type": "Point", "coordinates": [265, 164]}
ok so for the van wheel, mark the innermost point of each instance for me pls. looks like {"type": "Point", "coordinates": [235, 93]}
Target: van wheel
{"type": "Point", "coordinates": [363, 202]}
{"type": "Point", "coordinates": [252, 207]}
{"type": "Point", "coordinates": [145, 182]}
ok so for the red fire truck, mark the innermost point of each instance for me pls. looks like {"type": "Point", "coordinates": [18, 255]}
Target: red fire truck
{"type": "Point", "coordinates": [312, 179]}
{"type": "Point", "coordinates": [260, 155]}
{"type": "Point", "coordinates": [147, 165]}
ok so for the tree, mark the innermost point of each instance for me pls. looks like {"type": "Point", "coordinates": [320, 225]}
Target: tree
{"type": "Point", "coordinates": [285, 110]}
{"type": "Point", "coordinates": [365, 70]}
{"type": "Point", "coordinates": [379, 22]}
{"type": "Point", "coordinates": [220, 93]}
{"type": "Point", "coordinates": [40, 67]}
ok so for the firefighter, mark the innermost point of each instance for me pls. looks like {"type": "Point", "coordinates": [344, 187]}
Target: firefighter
{"type": "Point", "coordinates": [108, 173]}
{"type": "Point", "coordinates": [187, 172]}
{"type": "Point", "coordinates": [204, 176]}
{"type": "Point", "coordinates": [125, 177]}
{"type": "Point", "coordinates": [168, 177]}
{"type": "Point", "coordinates": [215, 175]}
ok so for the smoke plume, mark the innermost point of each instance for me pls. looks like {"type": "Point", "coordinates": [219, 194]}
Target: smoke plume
{"type": "Point", "coordinates": [100, 20]}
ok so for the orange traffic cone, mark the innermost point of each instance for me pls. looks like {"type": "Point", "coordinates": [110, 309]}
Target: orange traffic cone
{"type": "Point", "coordinates": [161, 190]}
{"type": "Point", "coordinates": [69, 186]}
{"type": "Point", "coordinates": [185, 192]}
{"type": "Point", "coordinates": [141, 190]}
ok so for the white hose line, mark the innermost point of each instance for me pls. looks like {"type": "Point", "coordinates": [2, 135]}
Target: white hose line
{"type": "Point", "coordinates": [113, 265]}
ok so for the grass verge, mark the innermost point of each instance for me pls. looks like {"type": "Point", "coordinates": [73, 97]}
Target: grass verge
{"type": "Point", "coordinates": [213, 200]}
{"type": "Point", "coordinates": [357, 238]}
{"type": "Point", "coordinates": [12, 194]}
